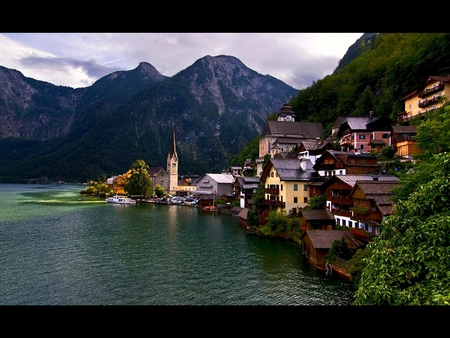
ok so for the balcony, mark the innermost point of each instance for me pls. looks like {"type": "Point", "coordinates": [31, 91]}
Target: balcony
{"type": "Point", "coordinates": [432, 90]}
{"type": "Point", "coordinates": [427, 102]}
{"type": "Point", "coordinates": [273, 203]}
{"type": "Point", "coordinates": [272, 191]}
{"type": "Point", "coordinates": [346, 141]}
{"type": "Point", "coordinates": [342, 213]}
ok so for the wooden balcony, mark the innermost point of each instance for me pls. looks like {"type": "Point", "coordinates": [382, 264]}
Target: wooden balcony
{"type": "Point", "coordinates": [429, 91]}
{"type": "Point", "coordinates": [273, 203]}
{"type": "Point", "coordinates": [272, 191]}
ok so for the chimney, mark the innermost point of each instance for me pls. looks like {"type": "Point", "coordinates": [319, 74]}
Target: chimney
{"type": "Point", "coordinates": [371, 114]}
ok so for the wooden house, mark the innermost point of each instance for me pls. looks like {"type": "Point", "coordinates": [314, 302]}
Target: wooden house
{"type": "Point", "coordinates": [313, 219]}
{"type": "Point", "coordinates": [337, 191]}
{"type": "Point", "coordinates": [372, 203]}
{"type": "Point", "coordinates": [403, 141]}
{"type": "Point", "coordinates": [316, 244]}
{"type": "Point", "coordinates": [245, 187]}
{"type": "Point", "coordinates": [345, 163]}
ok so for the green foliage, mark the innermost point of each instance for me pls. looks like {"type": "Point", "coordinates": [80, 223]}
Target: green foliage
{"type": "Point", "coordinates": [433, 133]}
{"type": "Point", "coordinates": [383, 68]}
{"type": "Point", "coordinates": [159, 190]}
{"type": "Point", "coordinates": [251, 151]}
{"type": "Point", "coordinates": [317, 202]}
{"type": "Point", "coordinates": [341, 249]}
{"type": "Point", "coordinates": [252, 218]}
{"type": "Point", "coordinates": [409, 262]}
{"type": "Point", "coordinates": [139, 182]}
{"type": "Point", "coordinates": [356, 265]}
{"type": "Point", "coordinates": [278, 222]}
{"type": "Point", "coordinates": [259, 198]}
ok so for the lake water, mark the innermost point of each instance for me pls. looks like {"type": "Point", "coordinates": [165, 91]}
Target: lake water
{"type": "Point", "coordinates": [58, 250]}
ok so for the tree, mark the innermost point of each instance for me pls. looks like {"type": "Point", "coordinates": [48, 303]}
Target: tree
{"type": "Point", "coordinates": [433, 134]}
{"type": "Point", "coordinates": [408, 263]}
{"type": "Point", "coordinates": [139, 182]}
{"type": "Point", "coordinates": [317, 202]}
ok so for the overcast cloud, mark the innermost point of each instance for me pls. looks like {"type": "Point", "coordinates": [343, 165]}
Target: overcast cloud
{"type": "Point", "coordinates": [79, 59]}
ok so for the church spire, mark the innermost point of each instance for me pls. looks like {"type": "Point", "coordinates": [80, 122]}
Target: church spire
{"type": "Point", "coordinates": [173, 150]}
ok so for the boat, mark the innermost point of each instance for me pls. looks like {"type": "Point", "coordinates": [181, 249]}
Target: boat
{"type": "Point", "coordinates": [120, 200]}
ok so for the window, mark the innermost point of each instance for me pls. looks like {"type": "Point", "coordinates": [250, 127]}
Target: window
{"type": "Point", "coordinates": [305, 187]}
{"type": "Point", "coordinates": [385, 135]}
{"type": "Point", "coordinates": [409, 106]}
{"type": "Point", "coordinates": [362, 137]}
{"type": "Point", "coordinates": [295, 200]}
{"type": "Point", "coordinates": [361, 146]}
{"type": "Point", "coordinates": [305, 199]}
{"type": "Point", "coordinates": [295, 187]}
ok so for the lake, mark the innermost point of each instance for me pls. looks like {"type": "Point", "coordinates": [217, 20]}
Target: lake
{"type": "Point", "coordinates": [60, 248]}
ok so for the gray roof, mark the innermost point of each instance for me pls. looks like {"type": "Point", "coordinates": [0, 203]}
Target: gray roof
{"type": "Point", "coordinates": [289, 169]}
{"type": "Point", "coordinates": [351, 179]}
{"type": "Point", "coordinates": [294, 129]}
{"type": "Point", "coordinates": [323, 239]}
{"type": "Point", "coordinates": [317, 214]}
{"type": "Point", "coordinates": [359, 123]}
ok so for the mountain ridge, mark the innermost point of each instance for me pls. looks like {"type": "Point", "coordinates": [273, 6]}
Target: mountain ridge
{"type": "Point", "coordinates": [217, 105]}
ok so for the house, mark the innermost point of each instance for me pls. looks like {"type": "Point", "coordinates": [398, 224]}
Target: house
{"type": "Point", "coordinates": [334, 162]}
{"type": "Point", "coordinates": [317, 219]}
{"type": "Point", "coordinates": [316, 244]}
{"type": "Point", "coordinates": [357, 134]}
{"type": "Point", "coordinates": [337, 191]}
{"type": "Point", "coordinates": [245, 188]}
{"type": "Point", "coordinates": [284, 135]}
{"type": "Point", "coordinates": [372, 203]}
{"type": "Point", "coordinates": [117, 183]}
{"type": "Point", "coordinates": [403, 141]}
{"type": "Point", "coordinates": [430, 96]}
{"type": "Point", "coordinates": [209, 187]}
{"type": "Point", "coordinates": [313, 149]}
{"type": "Point", "coordinates": [286, 182]}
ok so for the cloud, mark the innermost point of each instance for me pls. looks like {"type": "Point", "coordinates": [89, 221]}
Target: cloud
{"type": "Point", "coordinates": [80, 59]}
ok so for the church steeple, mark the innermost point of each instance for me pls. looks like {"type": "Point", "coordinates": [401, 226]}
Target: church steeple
{"type": "Point", "coordinates": [172, 164]}
{"type": "Point", "coordinates": [173, 150]}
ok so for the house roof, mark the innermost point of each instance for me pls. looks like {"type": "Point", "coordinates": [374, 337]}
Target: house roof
{"type": "Point", "coordinates": [153, 171]}
{"type": "Point", "coordinates": [379, 192]}
{"type": "Point", "coordinates": [405, 129]}
{"type": "Point", "coordinates": [351, 179]}
{"type": "Point", "coordinates": [289, 169]}
{"type": "Point", "coordinates": [342, 157]}
{"type": "Point", "coordinates": [294, 129]}
{"type": "Point", "coordinates": [317, 215]}
{"type": "Point", "coordinates": [323, 239]}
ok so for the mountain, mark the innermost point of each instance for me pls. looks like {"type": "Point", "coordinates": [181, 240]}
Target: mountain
{"type": "Point", "coordinates": [217, 105]}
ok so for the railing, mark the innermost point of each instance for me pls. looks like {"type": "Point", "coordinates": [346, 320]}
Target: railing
{"type": "Point", "coordinates": [272, 203]}
{"type": "Point", "coordinates": [429, 91]}
{"type": "Point", "coordinates": [343, 263]}
{"type": "Point", "coordinates": [272, 191]}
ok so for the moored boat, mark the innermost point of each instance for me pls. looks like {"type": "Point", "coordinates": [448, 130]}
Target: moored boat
{"type": "Point", "coordinates": [116, 199]}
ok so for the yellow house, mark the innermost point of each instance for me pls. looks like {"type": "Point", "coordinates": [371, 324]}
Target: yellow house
{"type": "Point", "coordinates": [286, 183]}
{"type": "Point", "coordinates": [117, 183]}
{"type": "Point", "coordinates": [429, 97]}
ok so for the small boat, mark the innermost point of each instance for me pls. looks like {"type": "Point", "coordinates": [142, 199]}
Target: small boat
{"type": "Point", "coordinates": [120, 200]}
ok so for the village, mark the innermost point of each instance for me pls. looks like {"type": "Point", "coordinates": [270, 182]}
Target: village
{"type": "Point", "coordinates": [297, 162]}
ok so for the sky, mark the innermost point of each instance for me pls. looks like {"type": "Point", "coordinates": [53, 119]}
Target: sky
{"type": "Point", "coordinates": [79, 59]}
